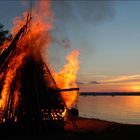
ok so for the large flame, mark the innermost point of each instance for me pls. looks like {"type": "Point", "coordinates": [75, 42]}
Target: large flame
{"type": "Point", "coordinates": [67, 76]}
{"type": "Point", "coordinates": [37, 38]}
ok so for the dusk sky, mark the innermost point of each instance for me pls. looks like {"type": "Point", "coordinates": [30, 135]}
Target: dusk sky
{"type": "Point", "coordinates": [107, 34]}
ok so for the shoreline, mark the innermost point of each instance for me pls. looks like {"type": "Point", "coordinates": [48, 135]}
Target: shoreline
{"type": "Point", "coordinates": [107, 121]}
{"type": "Point", "coordinates": [102, 129]}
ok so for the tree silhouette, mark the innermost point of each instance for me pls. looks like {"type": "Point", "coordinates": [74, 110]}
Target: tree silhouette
{"type": "Point", "coordinates": [4, 34]}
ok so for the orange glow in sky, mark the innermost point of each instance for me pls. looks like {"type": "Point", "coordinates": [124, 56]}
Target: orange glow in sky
{"type": "Point", "coordinates": [135, 88]}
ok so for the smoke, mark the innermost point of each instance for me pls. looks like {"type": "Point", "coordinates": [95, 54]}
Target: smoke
{"type": "Point", "coordinates": [65, 43]}
{"type": "Point", "coordinates": [77, 19]}
{"type": "Point", "coordinates": [24, 2]}
{"type": "Point", "coordinates": [89, 11]}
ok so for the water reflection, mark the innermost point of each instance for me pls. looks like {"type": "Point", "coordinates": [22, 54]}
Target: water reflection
{"type": "Point", "coordinates": [118, 109]}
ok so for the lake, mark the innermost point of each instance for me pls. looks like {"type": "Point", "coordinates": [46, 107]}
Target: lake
{"type": "Point", "coordinates": [122, 109]}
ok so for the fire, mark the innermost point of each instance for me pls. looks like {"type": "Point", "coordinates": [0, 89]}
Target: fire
{"type": "Point", "coordinates": [9, 77]}
{"type": "Point", "coordinates": [36, 39]}
{"type": "Point", "coordinates": [66, 78]}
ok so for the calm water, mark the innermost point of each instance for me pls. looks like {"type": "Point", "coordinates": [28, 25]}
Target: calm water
{"type": "Point", "coordinates": [117, 109]}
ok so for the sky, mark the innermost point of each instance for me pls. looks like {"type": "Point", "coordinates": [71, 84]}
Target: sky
{"type": "Point", "coordinates": [107, 34]}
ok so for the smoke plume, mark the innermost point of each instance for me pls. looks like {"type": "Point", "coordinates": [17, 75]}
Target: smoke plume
{"type": "Point", "coordinates": [85, 11]}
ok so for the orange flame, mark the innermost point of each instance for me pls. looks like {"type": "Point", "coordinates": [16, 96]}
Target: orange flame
{"type": "Point", "coordinates": [67, 76]}
{"type": "Point", "coordinates": [37, 38]}
{"type": "Point", "coordinates": [10, 75]}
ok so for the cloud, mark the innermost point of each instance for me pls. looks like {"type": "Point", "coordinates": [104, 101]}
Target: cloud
{"type": "Point", "coordinates": [115, 79]}
{"type": "Point", "coordinates": [80, 83]}
{"type": "Point", "coordinates": [123, 78]}
{"type": "Point", "coordinates": [86, 83]}
{"type": "Point", "coordinates": [94, 82]}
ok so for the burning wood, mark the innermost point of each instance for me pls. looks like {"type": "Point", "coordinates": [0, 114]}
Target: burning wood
{"type": "Point", "coordinates": [28, 88]}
